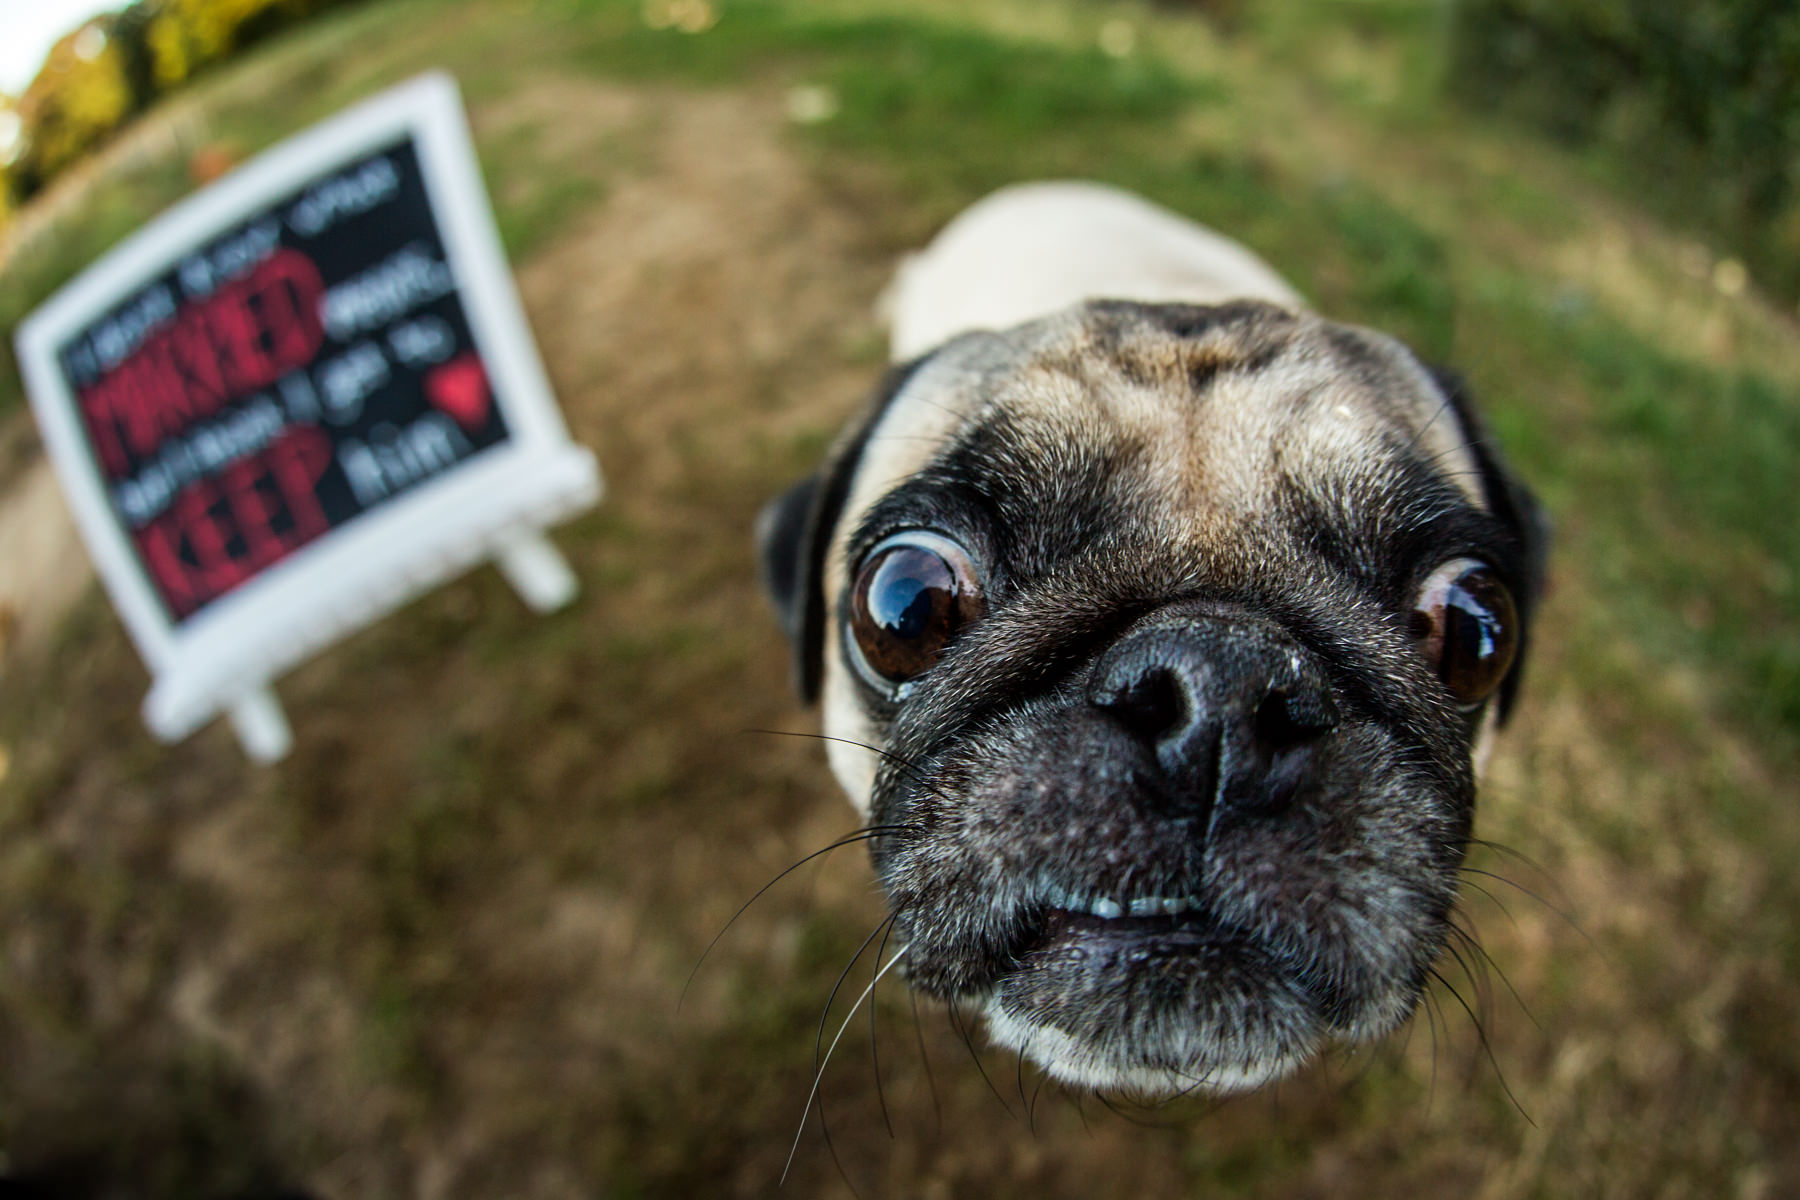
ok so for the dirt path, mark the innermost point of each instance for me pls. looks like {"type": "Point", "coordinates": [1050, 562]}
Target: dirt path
{"type": "Point", "coordinates": [43, 566]}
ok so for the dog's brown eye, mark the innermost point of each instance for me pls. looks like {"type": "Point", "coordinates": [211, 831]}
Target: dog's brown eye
{"type": "Point", "coordinates": [914, 591]}
{"type": "Point", "coordinates": [1466, 624]}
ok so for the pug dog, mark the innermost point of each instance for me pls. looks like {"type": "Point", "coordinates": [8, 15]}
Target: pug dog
{"type": "Point", "coordinates": [1159, 625]}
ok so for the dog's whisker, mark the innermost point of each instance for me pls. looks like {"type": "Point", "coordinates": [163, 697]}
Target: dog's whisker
{"type": "Point", "coordinates": [1197, 1086]}
{"type": "Point", "coordinates": [837, 1160]}
{"type": "Point", "coordinates": [887, 755]}
{"type": "Point", "coordinates": [968, 1042]}
{"type": "Point", "coordinates": [1075, 1100]}
{"type": "Point", "coordinates": [900, 762]}
{"type": "Point", "coordinates": [874, 1050]}
{"type": "Point", "coordinates": [818, 1065]}
{"type": "Point", "coordinates": [1489, 896]}
{"type": "Point", "coordinates": [1019, 1083]}
{"type": "Point", "coordinates": [885, 924]}
{"type": "Point", "coordinates": [1139, 1117]}
{"type": "Point", "coordinates": [1521, 888]}
{"type": "Point", "coordinates": [1463, 442]}
{"type": "Point", "coordinates": [867, 833]}
{"type": "Point", "coordinates": [951, 410]}
{"type": "Point", "coordinates": [1478, 985]}
{"type": "Point", "coordinates": [1486, 1046]}
{"type": "Point", "coordinates": [937, 1111]}
{"type": "Point", "coordinates": [1565, 902]}
{"type": "Point", "coordinates": [1475, 946]}
{"type": "Point", "coordinates": [1434, 1012]}
{"type": "Point", "coordinates": [1443, 407]}
{"type": "Point", "coordinates": [819, 1073]}
{"type": "Point", "coordinates": [1031, 1109]}
{"type": "Point", "coordinates": [1514, 853]}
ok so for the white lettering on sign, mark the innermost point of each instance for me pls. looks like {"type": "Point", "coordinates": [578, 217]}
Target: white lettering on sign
{"type": "Point", "coordinates": [113, 341]}
{"type": "Point", "coordinates": [205, 450]}
{"type": "Point", "coordinates": [356, 191]}
{"type": "Point", "coordinates": [347, 380]}
{"type": "Point", "coordinates": [301, 400]}
{"type": "Point", "coordinates": [422, 341]}
{"type": "Point", "coordinates": [203, 273]}
{"type": "Point", "coordinates": [401, 282]}
{"type": "Point", "coordinates": [392, 460]}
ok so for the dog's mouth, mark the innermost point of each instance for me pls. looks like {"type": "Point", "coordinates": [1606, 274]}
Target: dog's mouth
{"type": "Point", "coordinates": [1138, 912]}
{"type": "Point", "coordinates": [1123, 948]}
{"type": "Point", "coordinates": [1072, 935]}
{"type": "Point", "coordinates": [1153, 995]}
{"type": "Point", "coordinates": [1158, 1004]}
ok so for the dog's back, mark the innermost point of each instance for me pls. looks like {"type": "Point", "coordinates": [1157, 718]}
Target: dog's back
{"type": "Point", "coordinates": [1030, 250]}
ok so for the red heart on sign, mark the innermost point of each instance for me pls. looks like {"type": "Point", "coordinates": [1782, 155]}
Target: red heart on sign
{"type": "Point", "coordinates": [460, 388]}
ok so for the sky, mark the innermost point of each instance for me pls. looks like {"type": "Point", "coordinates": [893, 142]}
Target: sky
{"type": "Point", "coordinates": [28, 28]}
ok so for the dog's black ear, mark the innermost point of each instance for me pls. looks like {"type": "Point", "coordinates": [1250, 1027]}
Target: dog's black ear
{"type": "Point", "coordinates": [793, 535]}
{"type": "Point", "coordinates": [781, 538]}
{"type": "Point", "coordinates": [1511, 501]}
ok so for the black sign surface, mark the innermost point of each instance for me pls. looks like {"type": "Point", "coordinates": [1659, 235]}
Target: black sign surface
{"type": "Point", "coordinates": [305, 367]}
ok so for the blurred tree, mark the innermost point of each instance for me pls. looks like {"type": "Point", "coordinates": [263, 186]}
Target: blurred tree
{"type": "Point", "coordinates": [12, 134]}
{"type": "Point", "coordinates": [98, 76]}
{"type": "Point", "coordinates": [1700, 99]}
{"type": "Point", "coordinates": [81, 95]}
{"type": "Point", "coordinates": [130, 31]}
{"type": "Point", "coordinates": [186, 35]}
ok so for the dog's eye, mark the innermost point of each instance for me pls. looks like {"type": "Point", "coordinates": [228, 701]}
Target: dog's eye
{"type": "Point", "coordinates": [914, 591]}
{"type": "Point", "coordinates": [1467, 627]}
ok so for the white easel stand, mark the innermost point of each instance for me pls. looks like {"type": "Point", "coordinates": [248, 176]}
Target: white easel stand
{"type": "Point", "coordinates": [261, 726]}
{"type": "Point", "coordinates": [537, 571]}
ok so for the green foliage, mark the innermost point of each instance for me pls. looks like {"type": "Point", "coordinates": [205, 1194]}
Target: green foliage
{"type": "Point", "coordinates": [81, 98]}
{"type": "Point", "coordinates": [82, 94]}
{"type": "Point", "coordinates": [1683, 479]}
{"type": "Point", "coordinates": [1700, 100]}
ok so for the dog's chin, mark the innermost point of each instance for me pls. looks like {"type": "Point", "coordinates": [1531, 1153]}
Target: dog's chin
{"type": "Point", "coordinates": [1153, 1006]}
{"type": "Point", "coordinates": [1156, 1006]}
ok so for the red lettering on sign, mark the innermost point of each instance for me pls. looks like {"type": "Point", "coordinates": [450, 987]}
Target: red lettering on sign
{"type": "Point", "coordinates": [220, 532]}
{"type": "Point", "coordinates": [282, 304]}
{"type": "Point", "coordinates": [253, 499]}
{"type": "Point", "coordinates": [156, 543]}
{"type": "Point", "coordinates": [298, 461]}
{"type": "Point", "coordinates": [98, 408]}
{"type": "Point", "coordinates": [207, 532]}
{"type": "Point", "coordinates": [242, 338]}
{"type": "Point", "coordinates": [232, 349]}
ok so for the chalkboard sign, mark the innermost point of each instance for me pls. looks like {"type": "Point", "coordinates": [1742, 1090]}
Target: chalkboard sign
{"type": "Point", "coordinates": [298, 398]}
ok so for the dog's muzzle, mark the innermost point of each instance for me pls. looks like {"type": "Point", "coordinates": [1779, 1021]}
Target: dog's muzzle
{"type": "Point", "coordinates": [1183, 865]}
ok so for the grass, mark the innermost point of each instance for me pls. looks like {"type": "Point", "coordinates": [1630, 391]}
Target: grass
{"type": "Point", "coordinates": [444, 940]}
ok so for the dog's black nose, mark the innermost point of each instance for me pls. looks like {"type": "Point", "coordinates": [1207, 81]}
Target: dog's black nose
{"type": "Point", "coordinates": [1228, 708]}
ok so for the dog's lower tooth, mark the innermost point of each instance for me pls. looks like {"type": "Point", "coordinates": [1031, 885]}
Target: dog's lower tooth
{"type": "Point", "coordinates": [1107, 909]}
{"type": "Point", "coordinates": [1146, 907]}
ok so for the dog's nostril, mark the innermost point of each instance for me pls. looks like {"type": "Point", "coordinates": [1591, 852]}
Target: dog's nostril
{"type": "Point", "coordinates": [1152, 705]}
{"type": "Point", "coordinates": [1284, 719]}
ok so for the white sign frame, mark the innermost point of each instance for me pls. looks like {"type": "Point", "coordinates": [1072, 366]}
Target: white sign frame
{"type": "Point", "coordinates": [493, 505]}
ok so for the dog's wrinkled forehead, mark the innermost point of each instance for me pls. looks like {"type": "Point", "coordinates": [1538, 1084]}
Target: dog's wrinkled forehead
{"type": "Point", "coordinates": [1199, 421]}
